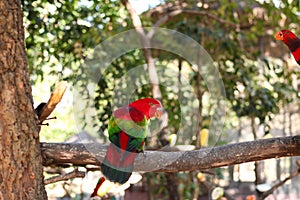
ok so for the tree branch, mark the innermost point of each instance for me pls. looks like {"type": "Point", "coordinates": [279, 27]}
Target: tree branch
{"type": "Point", "coordinates": [64, 177]}
{"type": "Point", "coordinates": [174, 13]}
{"type": "Point", "coordinates": [92, 153]}
{"type": "Point", "coordinates": [277, 185]}
{"type": "Point", "coordinates": [146, 43]}
{"type": "Point", "coordinates": [209, 15]}
{"type": "Point", "coordinates": [177, 10]}
{"type": "Point", "coordinates": [163, 20]}
{"type": "Point", "coordinates": [134, 17]}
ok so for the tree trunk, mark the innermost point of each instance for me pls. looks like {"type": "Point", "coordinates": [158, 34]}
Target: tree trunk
{"type": "Point", "coordinates": [21, 172]}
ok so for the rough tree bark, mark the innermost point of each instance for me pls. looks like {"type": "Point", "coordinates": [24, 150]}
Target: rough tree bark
{"type": "Point", "coordinates": [21, 172]}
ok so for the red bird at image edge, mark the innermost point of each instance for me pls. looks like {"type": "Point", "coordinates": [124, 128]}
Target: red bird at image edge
{"type": "Point", "coordinates": [291, 41]}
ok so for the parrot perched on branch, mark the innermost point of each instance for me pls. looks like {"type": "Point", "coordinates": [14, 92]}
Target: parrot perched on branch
{"type": "Point", "coordinates": [291, 41]}
{"type": "Point", "coordinates": [127, 130]}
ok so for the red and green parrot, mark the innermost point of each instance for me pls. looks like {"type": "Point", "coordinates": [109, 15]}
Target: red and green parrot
{"type": "Point", "coordinates": [291, 41]}
{"type": "Point", "coordinates": [127, 130]}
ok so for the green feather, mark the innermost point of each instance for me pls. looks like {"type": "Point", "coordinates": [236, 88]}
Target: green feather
{"type": "Point", "coordinates": [113, 128]}
{"type": "Point", "coordinates": [134, 129]}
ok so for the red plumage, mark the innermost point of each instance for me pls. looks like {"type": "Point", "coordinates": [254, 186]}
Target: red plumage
{"type": "Point", "coordinates": [291, 41]}
{"type": "Point", "coordinates": [116, 155]}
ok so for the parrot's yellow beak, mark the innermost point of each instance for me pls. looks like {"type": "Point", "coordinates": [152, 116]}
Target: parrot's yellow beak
{"type": "Point", "coordinates": [279, 35]}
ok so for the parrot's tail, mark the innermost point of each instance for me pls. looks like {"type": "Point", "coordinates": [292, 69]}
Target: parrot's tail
{"type": "Point", "coordinates": [118, 164]}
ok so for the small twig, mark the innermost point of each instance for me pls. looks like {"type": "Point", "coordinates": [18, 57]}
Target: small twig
{"type": "Point", "coordinates": [274, 187]}
{"type": "Point", "coordinates": [50, 118]}
{"type": "Point", "coordinates": [46, 124]}
{"type": "Point", "coordinates": [208, 172]}
{"type": "Point", "coordinates": [64, 177]}
{"type": "Point", "coordinates": [92, 169]}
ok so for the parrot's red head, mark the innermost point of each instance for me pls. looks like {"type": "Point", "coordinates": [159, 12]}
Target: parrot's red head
{"type": "Point", "coordinates": [291, 41]}
{"type": "Point", "coordinates": [148, 106]}
{"type": "Point", "coordinates": [285, 36]}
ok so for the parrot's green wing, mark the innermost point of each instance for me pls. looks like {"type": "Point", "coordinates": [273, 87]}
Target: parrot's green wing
{"type": "Point", "coordinates": [136, 130]}
{"type": "Point", "coordinates": [130, 120]}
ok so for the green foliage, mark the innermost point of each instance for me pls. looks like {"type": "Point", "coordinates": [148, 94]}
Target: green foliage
{"type": "Point", "coordinates": [154, 183]}
{"type": "Point", "coordinates": [59, 33]}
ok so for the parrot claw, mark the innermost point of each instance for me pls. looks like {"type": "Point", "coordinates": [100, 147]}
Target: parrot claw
{"type": "Point", "coordinates": [144, 153]}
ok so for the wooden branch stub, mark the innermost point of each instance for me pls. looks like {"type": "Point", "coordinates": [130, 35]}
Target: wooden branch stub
{"type": "Point", "coordinates": [92, 153]}
{"type": "Point", "coordinates": [54, 99]}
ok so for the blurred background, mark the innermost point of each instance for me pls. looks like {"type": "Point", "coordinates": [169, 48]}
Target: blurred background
{"type": "Point", "coordinates": [261, 82]}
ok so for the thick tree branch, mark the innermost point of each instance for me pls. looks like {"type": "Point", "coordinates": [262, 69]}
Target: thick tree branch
{"type": "Point", "coordinates": [91, 153]}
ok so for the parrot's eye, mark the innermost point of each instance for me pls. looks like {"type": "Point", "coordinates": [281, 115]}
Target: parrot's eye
{"type": "Point", "coordinates": [151, 104]}
{"type": "Point", "coordinates": [280, 34]}
{"type": "Point", "coordinates": [286, 32]}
